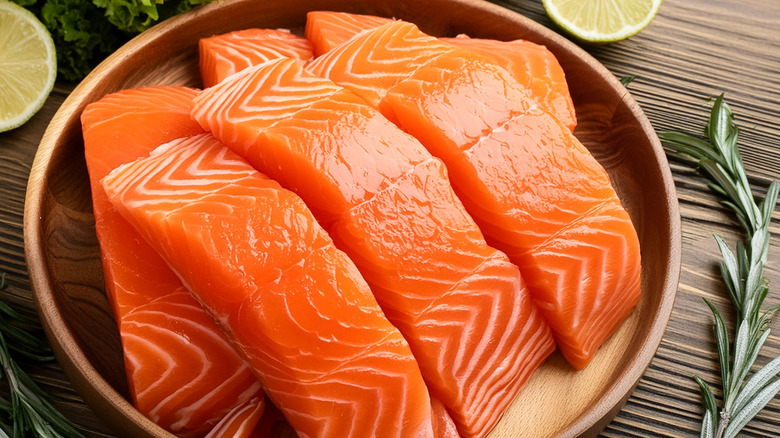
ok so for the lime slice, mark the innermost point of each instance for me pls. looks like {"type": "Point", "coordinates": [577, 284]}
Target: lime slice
{"type": "Point", "coordinates": [28, 65]}
{"type": "Point", "coordinates": [602, 21]}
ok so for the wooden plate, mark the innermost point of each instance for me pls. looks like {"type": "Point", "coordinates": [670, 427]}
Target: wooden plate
{"type": "Point", "coordinates": [63, 256]}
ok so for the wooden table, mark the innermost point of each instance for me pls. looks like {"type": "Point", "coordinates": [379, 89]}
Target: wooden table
{"type": "Point", "coordinates": [694, 49]}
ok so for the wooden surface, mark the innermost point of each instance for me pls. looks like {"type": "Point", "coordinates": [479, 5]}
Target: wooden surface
{"type": "Point", "coordinates": [694, 49]}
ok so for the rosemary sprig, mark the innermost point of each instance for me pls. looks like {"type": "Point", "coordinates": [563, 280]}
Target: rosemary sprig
{"type": "Point", "coordinates": [625, 80]}
{"type": "Point", "coordinates": [719, 160]}
{"type": "Point", "coordinates": [30, 409]}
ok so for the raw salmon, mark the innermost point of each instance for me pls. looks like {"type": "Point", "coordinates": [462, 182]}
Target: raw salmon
{"type": "Point", "coordinates": [223, 55]}
{"type": "Point", "coordinates": [536, 192]}
{"type": "Point", "coordinates": [388, 203]}
{"type": "Point", "coordinates": [294, 305]}
{"type": "Point", "coordinates": [533, 66]}
{"type": "Point", "coordinates": [241, 421]}
{"type": "Point", "coordinates": [272, 424]}
{"type": "Point", "coordinates": [355, 64]}
{"type": "Point", "coordinates": [182, 373]}
{"type": "Point", "coordinates": [443, 426]}
{"type": "Point", "coordinates": [163, 112]}
{"type": "Point", "coordinates": [173, 341]}
{"type": "Point", "coordinates": [328, 29]}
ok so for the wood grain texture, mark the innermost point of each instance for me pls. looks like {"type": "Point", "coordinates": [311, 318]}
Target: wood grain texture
{"type": "Point", "coordinates": [694, 49]}
{"type": "Point", "coordinates": [17, 149]}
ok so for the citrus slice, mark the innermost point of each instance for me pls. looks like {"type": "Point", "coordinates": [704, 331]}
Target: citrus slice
{"type": "Point", "coordinates": [602, 21]}
{"type": "Point", "coordinates": [28, 65]}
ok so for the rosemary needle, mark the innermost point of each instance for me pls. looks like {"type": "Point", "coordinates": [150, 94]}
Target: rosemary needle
{"type": "Point", "coordinates": [625, 80]}
{"type": "Point", "coordinates": [719, 160]}
{"type": "Point", "coordinates": [30, 409]}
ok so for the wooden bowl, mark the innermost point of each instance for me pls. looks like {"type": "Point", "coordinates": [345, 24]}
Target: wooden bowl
{"type": "Point", "coordinates": [64, 261]}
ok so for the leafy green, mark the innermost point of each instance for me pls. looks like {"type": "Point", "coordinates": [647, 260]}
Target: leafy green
{"type": "Point", "coordinates": [82, 35]}
{"type": "Point", "coordinates": [135, 16]}
{"type": "Point", "coordinates": [131, 16]}
{"type": "Point", "coordinates": [719, 160]}
{"type": "Point", "coordinates": [86, 31]}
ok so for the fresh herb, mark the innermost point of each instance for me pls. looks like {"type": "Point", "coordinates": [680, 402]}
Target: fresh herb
{"type": "Point", "coordinates": [625, 80]}
{"type": "Point", "coordinates": [719, 160]}
{"type": "Point", "coordinates": [134, 16]}
{"type": "Point", "coordinates": [82, 36]}
{"type": "Point", "coordinates": [86, 31]}
{"type": "Point", "coordinates": [30, 409]}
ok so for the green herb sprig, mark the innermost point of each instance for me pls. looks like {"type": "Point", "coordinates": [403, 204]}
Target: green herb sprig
{"type": "Point", "coordinates": [625, 80]}
{"type": "Point", "coordinates": [30, 409]}
{"type": "Point", "coordinates": [719, 160]}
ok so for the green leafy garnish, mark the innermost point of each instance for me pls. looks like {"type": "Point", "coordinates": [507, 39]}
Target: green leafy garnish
{"type": "Point", "coordinates": [719, 160]}
{"type": "Point", "coordinates": [136, 16]}
{"type": "Point", "coordinates": [29, 410]}
{"type": "Point", "coordinates": [86, 31]}
{"type": "Point", "coordinates": [81, 35]}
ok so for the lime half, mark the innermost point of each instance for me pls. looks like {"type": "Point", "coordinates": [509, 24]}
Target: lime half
{"type": "Point", "coordinates": [28, 65]}
{"type": "Point", "coordinates": [602, 21]}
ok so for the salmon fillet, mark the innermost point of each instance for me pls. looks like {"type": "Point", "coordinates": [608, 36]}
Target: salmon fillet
{"type": "Point", "coordinates": [388, 203]}
{"type": "Point", "coordinates": [225, 54]}
{"type": "Point", "coordinates": [181, 371]}
{"type": "Point", "coordinates": [294, 305]}
{"type": "Point", "coordinates": [243, 420]}
{"type": "Point", "coordinates": [328, 29]}
{"type": "Point", "coordinates": [533, 66]}
{"type": "Point", "coordinates": [535, 191]}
